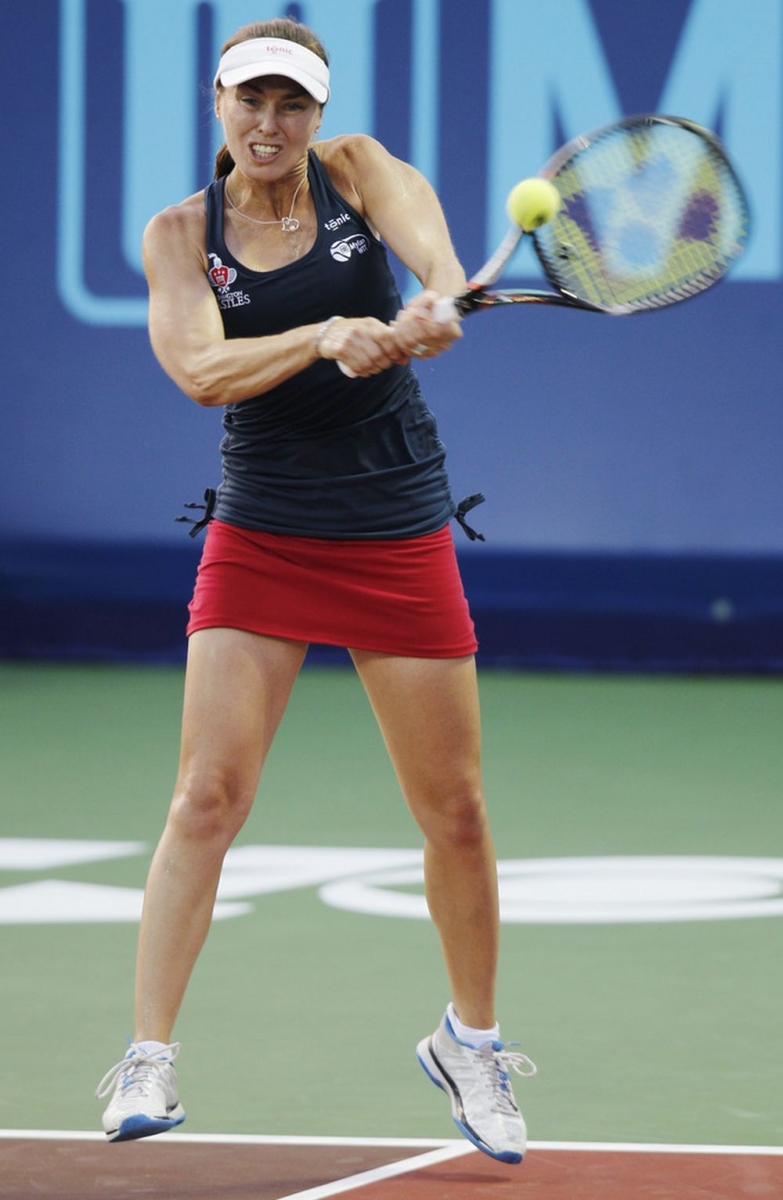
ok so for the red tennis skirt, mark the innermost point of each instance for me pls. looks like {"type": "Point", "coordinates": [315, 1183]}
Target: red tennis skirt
{"type": "Point", "coordinates": [402, 596]}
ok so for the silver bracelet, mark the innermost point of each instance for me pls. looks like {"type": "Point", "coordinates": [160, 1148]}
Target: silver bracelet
{"type": "Point", "coordinates": [321, 334]}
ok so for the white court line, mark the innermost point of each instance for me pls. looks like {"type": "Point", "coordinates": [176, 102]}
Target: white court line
{"type": "Point", "coordinates": [655, 1148]}
{"type": "Point", "coordinates": [364, 1178]}
{"type": "Point", "coordinates": [268, 1139]}
{"type": "Point", "coordinates": [238, 1139]}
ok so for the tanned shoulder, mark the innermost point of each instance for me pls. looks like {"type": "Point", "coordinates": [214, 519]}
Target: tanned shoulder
{"type": "Point", "coordinates": [180, 228]}
{"type": "Point", "coordinates": [347, 158]}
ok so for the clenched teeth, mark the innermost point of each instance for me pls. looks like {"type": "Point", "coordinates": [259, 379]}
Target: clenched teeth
{"type": "Point", "coordinates": [265, 151]}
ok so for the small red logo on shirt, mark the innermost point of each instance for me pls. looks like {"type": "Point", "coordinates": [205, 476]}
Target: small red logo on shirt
{"type": "Point", "coordinates": [220, 276]}
{"type": "Point", "coordinates": [221, 279]}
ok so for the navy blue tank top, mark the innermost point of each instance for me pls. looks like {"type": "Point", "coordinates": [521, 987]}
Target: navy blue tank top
{"type": "Point", "coordinates": [322, 455]}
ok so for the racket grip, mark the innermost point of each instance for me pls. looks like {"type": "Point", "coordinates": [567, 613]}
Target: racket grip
{"type": "Point", "coordinates": [346, 370]}
{"type": "Point", "coordinates": [445, 310]}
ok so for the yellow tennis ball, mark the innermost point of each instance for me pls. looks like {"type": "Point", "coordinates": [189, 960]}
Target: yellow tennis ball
{"type": "Point", "coordinates": [532, 202]}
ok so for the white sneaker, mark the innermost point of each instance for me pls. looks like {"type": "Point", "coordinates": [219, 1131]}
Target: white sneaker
{"type": "Point", "coordinates": [145, 1099]}
{"type": "Point", "coordinates": [477, 1081]}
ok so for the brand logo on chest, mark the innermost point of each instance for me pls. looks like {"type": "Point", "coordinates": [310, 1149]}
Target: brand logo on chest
{"type": "Point", "coordinates": [336, 222]}
{"type": "Point", "coordinates": [345, 248]}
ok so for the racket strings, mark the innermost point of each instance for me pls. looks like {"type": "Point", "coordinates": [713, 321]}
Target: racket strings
{"type": "Point", "coordinates": [651, 214]}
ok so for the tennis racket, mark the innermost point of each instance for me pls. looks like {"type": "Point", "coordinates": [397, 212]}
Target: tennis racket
{"type": "Point", "coordinates": [652, 213]}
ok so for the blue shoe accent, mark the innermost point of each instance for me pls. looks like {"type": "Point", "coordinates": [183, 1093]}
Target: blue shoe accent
{"type": "Point", "coordinates": [506, 1156]}
{"type": "Point", "coordinates": [139, 1126]}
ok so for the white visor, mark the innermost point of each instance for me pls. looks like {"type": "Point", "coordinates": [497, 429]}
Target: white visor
{"type": "Point", "coordinates": [274, 56]}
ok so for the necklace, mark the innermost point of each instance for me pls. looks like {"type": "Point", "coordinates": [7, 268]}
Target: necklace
{"type": "Point", "coordinates": [288, 224]}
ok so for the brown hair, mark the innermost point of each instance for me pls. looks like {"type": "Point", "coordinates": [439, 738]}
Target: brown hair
{"type": "Point", "coordinates": [279, 27]}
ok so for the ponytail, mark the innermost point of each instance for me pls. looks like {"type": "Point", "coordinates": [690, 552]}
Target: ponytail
{"type": "Point", "coordinates": [224, 163]}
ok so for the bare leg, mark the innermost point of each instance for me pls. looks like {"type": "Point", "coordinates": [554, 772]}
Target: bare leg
{"type": "Point", "coordinates": [236, 689]}
{"type": "Point", "coordinates": [428, 712]}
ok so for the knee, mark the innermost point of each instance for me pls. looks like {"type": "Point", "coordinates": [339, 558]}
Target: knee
{"type": "Point", "coordinates": [209, 809]}
{"type": "Point", "coordinates": [458, 821]}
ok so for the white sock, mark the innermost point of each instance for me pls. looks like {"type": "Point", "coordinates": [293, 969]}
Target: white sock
{"type": "Point", "coordinates": [154, 1048]}
{"type": "Point", "coordinates": [466, 1033]}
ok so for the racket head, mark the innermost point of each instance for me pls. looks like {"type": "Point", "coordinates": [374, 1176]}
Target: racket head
{"type": "Point", "coordinates": [652, 213]}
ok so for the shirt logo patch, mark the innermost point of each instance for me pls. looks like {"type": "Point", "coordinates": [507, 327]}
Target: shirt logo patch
{"type": "Point", "coordinates": [221, 278]}
{"type": "Point", "coordinates": [357, 244]}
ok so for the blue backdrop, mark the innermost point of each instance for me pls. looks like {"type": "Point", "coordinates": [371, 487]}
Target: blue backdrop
{"type": "Point", "coordinates": [632, 467]}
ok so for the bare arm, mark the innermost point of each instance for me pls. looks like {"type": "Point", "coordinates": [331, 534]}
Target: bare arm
{"type": "Point", "coordinates": [186, 329]}
{"type": "Point", "coordinates": [403, 207]}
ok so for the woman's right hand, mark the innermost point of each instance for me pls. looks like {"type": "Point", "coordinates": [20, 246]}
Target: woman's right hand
{"type": "Point", "coordinates": [418, 330]}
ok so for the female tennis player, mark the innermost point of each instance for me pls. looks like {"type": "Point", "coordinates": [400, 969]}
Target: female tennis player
{"type": "Point", "coordinates": [331, 525]}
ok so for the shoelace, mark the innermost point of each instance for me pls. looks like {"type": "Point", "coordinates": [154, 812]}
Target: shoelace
{"type": "Point", "coordinates": [138, 1071]}
{"type": "Point", "coordinates": [498, 1063]}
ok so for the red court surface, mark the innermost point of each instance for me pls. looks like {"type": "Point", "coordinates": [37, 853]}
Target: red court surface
{"type": "Point", "coordinates": [62, 1166]}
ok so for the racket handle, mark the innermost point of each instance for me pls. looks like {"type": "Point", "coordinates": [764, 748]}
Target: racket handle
{"type": "Point", "coordinates": [445, 310]}
{"type": "Point", "coordinates": [346, 370]}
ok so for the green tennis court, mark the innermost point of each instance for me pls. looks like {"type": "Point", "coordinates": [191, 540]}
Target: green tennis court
{"type": "Point", "coordinates": [302, 1016]}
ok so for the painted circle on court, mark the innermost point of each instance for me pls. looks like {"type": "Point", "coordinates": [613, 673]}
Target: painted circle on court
{"type": "Point", "coordinates": [590, 891]}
